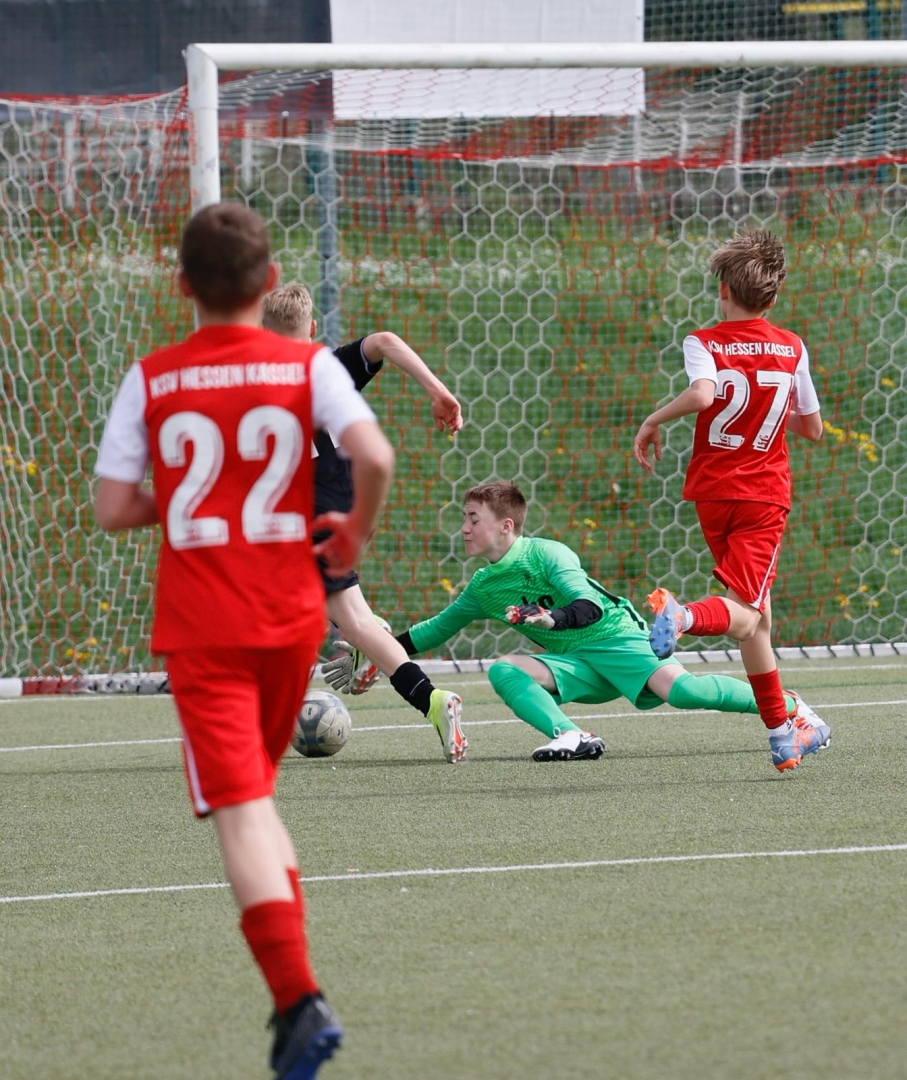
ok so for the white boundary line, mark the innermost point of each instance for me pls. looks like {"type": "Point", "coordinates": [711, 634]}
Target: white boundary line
{"type": "Point", "coordinates": [90, 745]}
{"type": "Point", "coordinates": [419, 727]}
{"type": "Point", "coordinates": [459, 871]}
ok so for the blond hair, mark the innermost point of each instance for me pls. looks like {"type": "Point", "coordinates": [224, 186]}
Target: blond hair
{"type": "Point", "coordinates": [504, 499]}
{"type": "Point", "coordinates": [287, 310]}
{"type": "Point", "coordinates": [752, 267]}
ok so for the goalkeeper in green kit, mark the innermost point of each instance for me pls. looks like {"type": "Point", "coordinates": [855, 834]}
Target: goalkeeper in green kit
{"type": "Point", "coordinates": [595, 646]}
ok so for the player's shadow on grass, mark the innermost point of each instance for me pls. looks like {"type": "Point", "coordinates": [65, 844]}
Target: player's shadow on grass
{"type": "Point", "coordinates": [687, 752]}
{"type": "Point", "coordinates": [375, 763]}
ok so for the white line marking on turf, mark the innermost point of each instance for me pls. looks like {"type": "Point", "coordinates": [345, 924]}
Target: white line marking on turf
{"type": "Point", "coordinates": [360, 730]}
{"type": "Point", "coordinates": [459, 871]}
{"type": "Point", "coordinates": [90, 745]}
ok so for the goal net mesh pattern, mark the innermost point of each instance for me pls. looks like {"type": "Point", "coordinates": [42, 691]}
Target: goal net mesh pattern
{"type": "Point", "coordinates": [546, 265]}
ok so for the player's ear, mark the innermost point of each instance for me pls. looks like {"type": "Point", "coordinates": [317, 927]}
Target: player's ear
{"type": "Point", "coordinates": [313, 329]}
{"type": "Point", "coordinates": [273, 278]}
{"type": "Point", "coordinates": [182, 283]}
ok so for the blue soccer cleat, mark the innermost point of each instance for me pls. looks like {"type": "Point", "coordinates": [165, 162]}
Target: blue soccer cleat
{"type": "Point", "coordinates": [304, 1038]}
{"type": "Point", "coordinates": [667, 625]}
{"type": "Point", "coordinates": [790, 742]}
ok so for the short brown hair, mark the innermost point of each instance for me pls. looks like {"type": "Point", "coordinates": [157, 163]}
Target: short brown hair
{"type": "Point", "coordinates": [225, 256]}
{"type": "Point", "coordinates": [287, 310]}
{"type": "Point", "coordinates": [504, 498]}
{"type": "Point", "coordinates": [752, 267]}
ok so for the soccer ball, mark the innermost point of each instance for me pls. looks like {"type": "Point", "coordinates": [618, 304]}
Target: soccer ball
{"type": "Point", "coordinates": [322, 726]}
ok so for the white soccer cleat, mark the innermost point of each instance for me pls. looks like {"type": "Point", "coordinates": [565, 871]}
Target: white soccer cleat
{"type": "Point", "coordinates": [806, 716]}
{"type": "Point", "coordinates": [571, 746]}
{"type": "Point", "coordinates": [444, 712]}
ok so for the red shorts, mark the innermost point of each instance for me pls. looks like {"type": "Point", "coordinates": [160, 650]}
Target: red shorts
{"type": "Point", "coordinates": [237, 708]}
{"type": "Point", "coordinates": [745, 540]}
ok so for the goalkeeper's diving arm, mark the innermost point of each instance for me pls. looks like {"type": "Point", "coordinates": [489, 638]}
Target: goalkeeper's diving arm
{"type": "Point", "coordinates": [407, 642]}
{"type": "Point", "coordinates": [576, 615]}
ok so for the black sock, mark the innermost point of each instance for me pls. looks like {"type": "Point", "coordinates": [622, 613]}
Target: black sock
{"type": "Point", "coordinates": [413, 685]}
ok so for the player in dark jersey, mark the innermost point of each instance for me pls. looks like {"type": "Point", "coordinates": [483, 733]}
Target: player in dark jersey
{"type": "Point", "coordinates": [288, 311]}
{"type": "Point", "coordinates": [749, 384]}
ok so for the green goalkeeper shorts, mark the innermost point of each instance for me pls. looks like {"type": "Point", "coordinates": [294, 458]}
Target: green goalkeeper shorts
{"type": "Point", "coordinates": [605, 670]}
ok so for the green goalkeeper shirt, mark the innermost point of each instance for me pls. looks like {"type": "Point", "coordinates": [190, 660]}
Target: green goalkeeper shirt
{"type": "Point", "coordinates": [534, 571]}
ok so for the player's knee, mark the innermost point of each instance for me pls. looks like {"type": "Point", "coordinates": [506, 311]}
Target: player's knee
{"type": "Point", "coordinates": [749, 625]}
{"type": "Point", "coordinates": [501, 673]}
{"type": "Point", "coordinates": [685, 692]}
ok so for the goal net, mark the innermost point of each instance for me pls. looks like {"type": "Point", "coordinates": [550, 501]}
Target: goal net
{"type": "Point", "coordinates": [538, 228]}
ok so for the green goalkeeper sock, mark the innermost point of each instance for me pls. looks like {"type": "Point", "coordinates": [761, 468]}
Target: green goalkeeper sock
{"type": "Point", "coordinates": [528, 700]}
{"type": "Point", "coordinates": [721, 692]}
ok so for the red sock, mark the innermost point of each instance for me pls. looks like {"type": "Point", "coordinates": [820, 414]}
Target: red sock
{"type": "Point", "coordinates": [275, 936]}
{"type": "Point", "coordinates": [711, 617]}
{"type": "Point", "coordinates": [769, 698]}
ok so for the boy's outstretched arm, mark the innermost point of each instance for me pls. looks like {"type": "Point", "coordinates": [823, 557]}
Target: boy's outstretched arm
{"type": "Point", "coordinates": [698, 395]}
{"type": "Point", "coordinates": [430, 633]}
{"type": "Point", "coordinates": [444, 406]}
{"type": "Point", "coordinates": [576, 615]}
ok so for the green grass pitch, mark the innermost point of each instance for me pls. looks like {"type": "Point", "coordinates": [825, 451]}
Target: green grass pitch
{"type": "Point", "coordinates": [677, 910]}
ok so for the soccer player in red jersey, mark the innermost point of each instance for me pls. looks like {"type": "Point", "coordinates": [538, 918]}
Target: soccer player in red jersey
{"type": "Point", "coordinates": [288, 310]}
{"type": "Point", "coordinates": [749, 384]}
{"type": "Point", "coordinates": [226, 419]}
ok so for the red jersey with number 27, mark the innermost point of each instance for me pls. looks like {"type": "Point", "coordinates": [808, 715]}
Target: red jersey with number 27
{"type": "Point", "coordinates": [739, 445]}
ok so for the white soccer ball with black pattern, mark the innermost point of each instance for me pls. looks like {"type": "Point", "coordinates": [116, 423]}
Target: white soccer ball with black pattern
{"type": "Point", "coordinates": [322, 726]}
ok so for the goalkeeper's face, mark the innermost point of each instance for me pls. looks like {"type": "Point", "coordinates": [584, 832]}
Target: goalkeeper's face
{"type": "Point", "coordinates": [485, 535]}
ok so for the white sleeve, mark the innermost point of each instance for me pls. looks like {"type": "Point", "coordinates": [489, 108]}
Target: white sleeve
{"type": "Point", "coordinates": [806, 400]}
{"type": "Point", "coordinates": [123, 453]}
{"type": "Point", "coordinates": [698, 361]}
{"type": "Point", "coordinates": [335, 401]}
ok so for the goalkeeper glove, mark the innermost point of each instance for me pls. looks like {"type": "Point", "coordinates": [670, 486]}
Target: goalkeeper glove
{"type": "Point", "coordinates": [530, 615]}
{"type": "Point", "coordinates": [350, 671]}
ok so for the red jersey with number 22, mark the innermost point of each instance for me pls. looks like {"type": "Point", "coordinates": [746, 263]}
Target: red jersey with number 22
{"type": "Point", "coordinates": [739, 446]}
{"type": "Point", "coordinates": [229, 420]}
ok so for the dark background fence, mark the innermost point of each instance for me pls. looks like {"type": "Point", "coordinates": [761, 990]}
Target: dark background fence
{"type": "Point", "coordinates": [135, 47]}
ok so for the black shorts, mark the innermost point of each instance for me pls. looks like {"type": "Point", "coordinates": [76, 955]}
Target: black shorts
{"type": "Point", "coordinates": [337, 584]}
{"type": "Point", "coordinates": [334, 584]}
